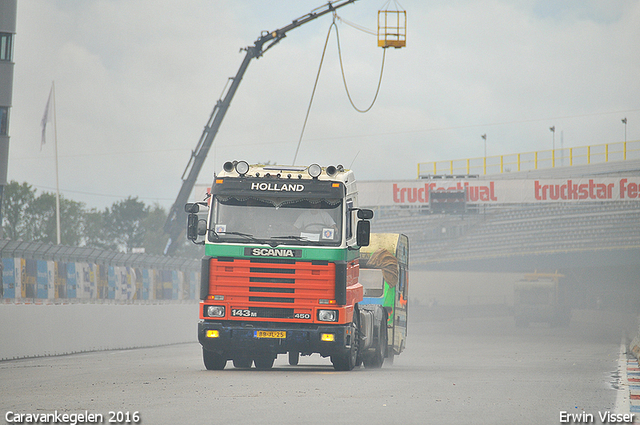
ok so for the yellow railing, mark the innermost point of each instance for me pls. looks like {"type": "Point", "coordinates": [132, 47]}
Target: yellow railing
{"type": "Point", "coordinates": [552, 158]}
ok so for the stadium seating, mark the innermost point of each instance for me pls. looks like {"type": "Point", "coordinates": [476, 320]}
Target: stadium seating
{"type": "Point", "coordinates": [526, 229]}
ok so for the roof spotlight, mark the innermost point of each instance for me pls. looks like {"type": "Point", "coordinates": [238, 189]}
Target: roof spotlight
{"type": "Point", "coordinates": [228, 166]}
{"type": "Point", "coordinates": [331, 170]}
{"type": "Point", "coordinates": [242, 167]}
{"type": "Point", "coordinates": [314, 170]}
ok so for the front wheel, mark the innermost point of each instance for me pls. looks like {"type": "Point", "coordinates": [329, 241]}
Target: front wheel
{"type": "Point", "coordinates": [213, 360]}
{"type": "Point", "coordinates": [264, 362]}
{"type": "Point", "coordinates": [348, 360]}
{"type": "Point", "coordinates": [294, 358]}
{"type": "Point", "coordinates": [242, 363]}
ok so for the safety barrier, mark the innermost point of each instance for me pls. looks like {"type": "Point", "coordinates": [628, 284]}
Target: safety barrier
{"type": "Point", "coordinates": [61, 300]}
{"type": "Point", "coordinates": [634, 345]}
{"type": "Point", "coordinates": [38, 272]}
{"type": "Point", "coordinates": [552, 158]}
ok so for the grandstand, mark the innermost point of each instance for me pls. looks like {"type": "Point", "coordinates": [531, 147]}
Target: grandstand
{"type": "Point", "coordinates": [522, 235]}
{"type": "Point", "coordinates": [516, 231]}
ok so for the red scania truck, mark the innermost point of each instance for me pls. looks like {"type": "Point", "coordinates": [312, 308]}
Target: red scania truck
{"type": "Point", "coordinates": [281, 269]}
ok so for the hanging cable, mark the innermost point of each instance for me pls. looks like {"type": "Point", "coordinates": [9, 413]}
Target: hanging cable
{"type": "Point", "coordinates": [344, 79]}
{"type": "Point", "coordinates": [356, 26]}
{"type": "Point", "coordinates": [326, 42]}
{"type": "Point", "coordinates": [315, 85]}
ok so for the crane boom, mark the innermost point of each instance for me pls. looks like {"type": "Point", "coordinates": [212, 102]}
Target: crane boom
{"type": "Point", "coordinates": [174, 225]}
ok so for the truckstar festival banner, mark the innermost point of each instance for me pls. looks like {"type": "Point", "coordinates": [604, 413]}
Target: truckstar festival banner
{"type": "Point", "coordinates": [416, 192]}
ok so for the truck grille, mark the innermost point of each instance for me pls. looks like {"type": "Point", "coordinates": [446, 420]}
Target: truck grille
{"type": "Point", "coordinates": [272, 313]}
{"type": "Point", "coordinates": [272, 288]}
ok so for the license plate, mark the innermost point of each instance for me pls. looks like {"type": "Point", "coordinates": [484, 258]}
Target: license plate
{"type": "Point", "coordinates": [270, 334]}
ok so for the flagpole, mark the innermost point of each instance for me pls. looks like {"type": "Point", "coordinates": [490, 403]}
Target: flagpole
{"type": "Point", "coordinates": [55, 144]}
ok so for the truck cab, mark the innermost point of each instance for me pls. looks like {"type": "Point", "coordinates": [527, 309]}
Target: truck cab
{"type": "Point", "coordinates": [281, 267]}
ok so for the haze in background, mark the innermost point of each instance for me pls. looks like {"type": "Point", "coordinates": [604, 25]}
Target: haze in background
{"type": "Point", "coordinates": [137, 80]}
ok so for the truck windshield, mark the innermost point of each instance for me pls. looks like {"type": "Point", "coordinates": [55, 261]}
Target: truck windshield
{"type": "Point", "coordinates": [276, 220]}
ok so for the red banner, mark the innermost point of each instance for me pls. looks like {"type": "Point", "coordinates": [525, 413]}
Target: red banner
{"type": "Point", "coordinates": [416, 192]}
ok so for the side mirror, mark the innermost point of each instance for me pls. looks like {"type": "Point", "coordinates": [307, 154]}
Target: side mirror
{"type": "Point", "coordinates": [363, 232]}
{"type": "Point", "coordinates": [191, 208]}
{"type": "Point", "coordinates": [365, 214]}
{"type": "Point", "coordinates": [193, 229]}
{"type": "Point", "coordinates": [202, 227]}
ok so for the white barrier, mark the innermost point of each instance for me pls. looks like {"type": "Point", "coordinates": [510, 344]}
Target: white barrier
{"type": "Point", "coordinates": [28, 330]}
{"type": "Point", "coordinates": [634, 345]}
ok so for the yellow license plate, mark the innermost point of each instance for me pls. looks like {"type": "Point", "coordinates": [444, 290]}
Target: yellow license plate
{"type": "Point", "coordinates": [270, 334]}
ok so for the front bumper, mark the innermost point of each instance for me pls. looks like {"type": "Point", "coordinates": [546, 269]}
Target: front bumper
{"type": "Point", "coordinates": [239, 338]}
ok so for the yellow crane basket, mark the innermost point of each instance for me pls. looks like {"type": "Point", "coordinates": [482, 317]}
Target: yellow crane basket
{"type": "Point", "coordinates": [392, 28]}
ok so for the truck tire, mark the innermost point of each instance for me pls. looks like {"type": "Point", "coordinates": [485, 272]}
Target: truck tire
{"type": "Point", "coordinates": [376, 359]}
{"type": "Point", "coordinates": [264, 362]}
{"type": "Point", "coordinates": [348, 360]}
{"type": "Point", "coordinates": [242, 363]}
{"type": "Point", "coordinates": [294, 358]}
{"type": "Point", "coordinates": [213, 360]}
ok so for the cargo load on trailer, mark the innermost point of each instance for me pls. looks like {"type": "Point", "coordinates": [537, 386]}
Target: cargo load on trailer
{"type": "Point", "coordinates": [384, 273]}
{"type": "Point", "coordinates": [281, 272]}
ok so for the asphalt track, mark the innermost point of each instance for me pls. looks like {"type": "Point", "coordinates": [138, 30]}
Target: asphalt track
{"type": "Point", "coordinates": [456, 371]}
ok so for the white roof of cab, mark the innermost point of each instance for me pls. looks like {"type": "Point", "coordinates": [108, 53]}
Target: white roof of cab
{"type": "Point", "coordinates": [338, 173]}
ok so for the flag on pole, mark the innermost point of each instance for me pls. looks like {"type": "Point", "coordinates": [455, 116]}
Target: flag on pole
{"type": "Point", "coordinates": [46, 118]}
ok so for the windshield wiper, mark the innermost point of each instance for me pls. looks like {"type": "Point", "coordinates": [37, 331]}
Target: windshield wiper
{"type": "Point", "coordinates": [252, 238]}
{"type": "Point", "coordinates": [295, 238]}
{"type": "Point", "coordinates": [298, 238]}
{"type": "Point", "coordinates": [244, 235]}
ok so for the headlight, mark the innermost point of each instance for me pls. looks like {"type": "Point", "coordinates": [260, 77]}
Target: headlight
{"type": "Point", "coordinates": [215, 311]}
{"type": "Point", "coordinates": [327, 315]}
{"type": "Point", "coordinates": [314, 170]}
{"type": "Point", "coordinates": [242, 167]}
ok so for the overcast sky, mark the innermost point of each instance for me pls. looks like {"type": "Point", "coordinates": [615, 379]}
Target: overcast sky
{"type": "Point", "coordinates": [136, 81]}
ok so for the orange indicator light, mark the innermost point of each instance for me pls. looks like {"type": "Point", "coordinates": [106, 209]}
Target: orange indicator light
{"type": "Point", "coordinates": [327, 337]}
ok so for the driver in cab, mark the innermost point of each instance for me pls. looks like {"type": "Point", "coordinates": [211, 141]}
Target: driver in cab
{"type": "Point", "coordinates": [316, 222]}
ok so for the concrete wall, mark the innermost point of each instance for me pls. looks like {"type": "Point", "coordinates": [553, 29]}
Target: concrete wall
{"type": "Point", "coordinates": [461, 288]}
{"type": "Point", "coordinates": [29, 330]}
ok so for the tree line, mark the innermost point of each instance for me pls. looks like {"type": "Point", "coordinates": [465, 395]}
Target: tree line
{"type": "Point", "coordinates": [127, 224]}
